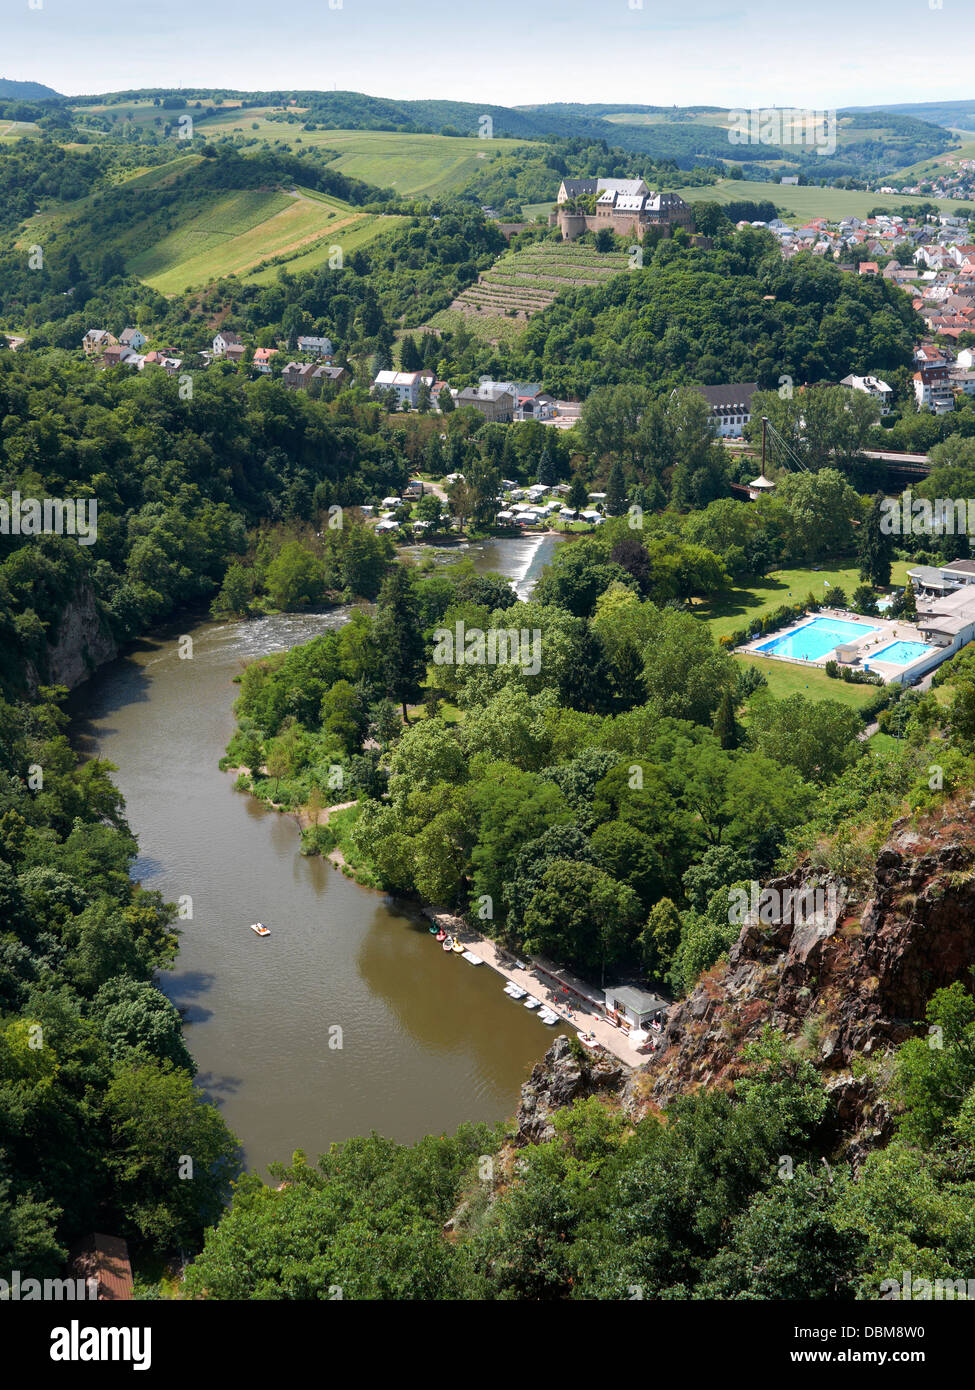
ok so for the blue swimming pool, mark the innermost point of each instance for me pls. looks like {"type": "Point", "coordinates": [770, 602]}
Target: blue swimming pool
{"type": "Point", "coordinates": [901, 653]}
{"type": "Point", "coordinates": [815, 639]}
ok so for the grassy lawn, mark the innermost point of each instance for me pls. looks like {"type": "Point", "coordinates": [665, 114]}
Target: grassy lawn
{"type": "Point", "coordinates": [784, 678]}
{"type": "Point", "coordinates": [736, 608]}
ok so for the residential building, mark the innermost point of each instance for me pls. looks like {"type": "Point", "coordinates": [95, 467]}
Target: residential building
{"type": "Point", "coordinates": [134, 339]}
{"type": "Point", "coordinates": [97, 340]}
{"type": "Point", "coordinates": [306, 375]}
{"type": "Point", "coordinates": [495, 400]}
{"type": "Point", "coordinates": [262, 359]}
{"type": "Point", "coordinates": [405, 384]}
{"type": "Point", "coordinates": [227, 344]}
{"type": "Point", "coordinates": [871, 386]}
{"type": "Point", "coordinates": [731, 406]}
{"type": "Point", "coordinates": [316, 347]}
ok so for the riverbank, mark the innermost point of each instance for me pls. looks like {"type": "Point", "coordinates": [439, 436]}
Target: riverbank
{"type": "Point", "coordinates": [580, 1014]}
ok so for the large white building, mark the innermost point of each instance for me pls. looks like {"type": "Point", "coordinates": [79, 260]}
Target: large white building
{"type": "Point", "coordinates": [405, 384]}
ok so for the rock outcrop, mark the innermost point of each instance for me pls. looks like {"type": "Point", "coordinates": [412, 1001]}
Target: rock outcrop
{"type": "Point", "coordinates": [559, 1079]}
{"type": "Point", "coordinates": [856, 982]}
{"type": "Point", "coordinates": [82, 644]}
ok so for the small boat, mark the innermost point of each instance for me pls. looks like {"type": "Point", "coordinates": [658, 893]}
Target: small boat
{"type": "Point", "coordinates": [441, 935]}
{"type": "Point", "coordinates": [458, 948]}
{"type": "Point", "coordinates": [532, 1003]}
{"type": "Point", "coordinates": [432, 929]}
{"type": "Point", "coordinates": [448, 943]}
{"type": "Point", "coordinates": [470, 957]}
{"type": "Point", "coordinates": [588, 1040]}
{"type": "Point", "coordinates": [547, 1016]}
{"type": "Point", "coordinates": [260, 928]}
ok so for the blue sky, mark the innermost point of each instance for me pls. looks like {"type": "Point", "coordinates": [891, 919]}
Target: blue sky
{"type": "Point", "coordinates": [507, 52]}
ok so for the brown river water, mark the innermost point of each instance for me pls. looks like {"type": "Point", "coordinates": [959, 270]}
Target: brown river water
{"type": "Point", "coordinates": [428, 1041]}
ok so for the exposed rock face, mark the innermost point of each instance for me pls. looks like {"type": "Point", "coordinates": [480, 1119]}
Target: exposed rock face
{"type": "Point", "coordinates": [83, 643]}
{"type": "Point", "coordinates": [559, 1079]}
{"type": "Point", "coordinates": [858, 982]}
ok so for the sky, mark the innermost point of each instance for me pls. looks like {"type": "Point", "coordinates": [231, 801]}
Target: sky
{"type": "Point", "coordinates": [736, 53]}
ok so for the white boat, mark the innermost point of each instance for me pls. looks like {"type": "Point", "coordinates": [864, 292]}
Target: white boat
{"type": "Point", "coordinates": [588, 1040]}
{"type": "Point", "coordinates": [260, 929]}
{"type": "Point", "coordinates": [532, 1003]}
{"type": "Point", "coordinates": [547, 1016]}
{"type": "Point", "coordinates": [472, 959]}
{"type": "Point", "coordinates": [515, 992]}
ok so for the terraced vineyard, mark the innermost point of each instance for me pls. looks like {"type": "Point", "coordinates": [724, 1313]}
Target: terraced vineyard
{"type": "Point", "coordinates": [523, 283]}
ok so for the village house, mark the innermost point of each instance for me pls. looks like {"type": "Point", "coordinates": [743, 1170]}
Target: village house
{"type": "Point", "coordinates": [262, 359]}
{"type": "Point", "coordinates": [316, 347]}
{"type": "Point", "coordinates": [105, 1260]}
{"type": "Point", "coordinates": [405, 384]}
{"type": "Point", "coordinates": [303, 376]}
{"type": "Point", "coordinates": [97, 340]}
{"type": "Point", "coordinates": [134, 339]}
{"type": "Point", "coordinates": [871, 386]}
{"type": "Point", "coordinates": [495, 400]}
{"type": "Point", "coordinates": [228, 344]}
{"type": "Point", "coordinates": [170, 365]}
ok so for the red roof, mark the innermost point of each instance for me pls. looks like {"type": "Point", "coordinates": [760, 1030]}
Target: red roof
{"type": "Point", "coordinates": [105, 1258]}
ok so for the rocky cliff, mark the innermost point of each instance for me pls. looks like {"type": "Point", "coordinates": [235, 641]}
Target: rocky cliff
{"type": "Point", "coordinates": [82, 644]}
{"type": "Point", "coordinates": [855, 982]}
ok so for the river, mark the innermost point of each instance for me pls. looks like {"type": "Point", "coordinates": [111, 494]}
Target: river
{"type": "Point", "coordinates": [428, 1041]}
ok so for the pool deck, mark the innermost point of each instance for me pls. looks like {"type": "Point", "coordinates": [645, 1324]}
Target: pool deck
{"type": "Point", "coordinates": [878, 632]}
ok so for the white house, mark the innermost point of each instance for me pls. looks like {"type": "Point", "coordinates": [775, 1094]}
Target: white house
{"type": "Point", "coordinates": [317, 347]}
{"type": "Point", "coordinates": [227, 344]}
{"type": "Point", "coordinates": [405, 384]}
{"type": "Point", "coordinates": [871, 386]}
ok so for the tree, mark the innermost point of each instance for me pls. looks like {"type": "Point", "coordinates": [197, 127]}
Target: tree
{"type": "Point", "coordinates": [172, 1156]}
{"type": "Point", "coordinates": [399, 637]}
{"type": "Point", "coordinates": [581, 914]}
{"type": "Point", "coordinates": [875, 548]}
{"type": "Point", "coordinates": [726, 729]}
{"type": "Point", "coordinates": [236, 592]}
{"type": "Point", "coordinates": [660, 939]}
{"type": "Point", "coordinates": [578, 495]}
{"type": "Point", "coordinates": [616, 490]}
{"type": "Point", "coordinates": [295, 578]}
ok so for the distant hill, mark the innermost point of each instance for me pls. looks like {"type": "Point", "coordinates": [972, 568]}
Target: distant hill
{"type": "Point", "coordinates": [27, 91]}
{"type": "Point", "coordinates": [689, 137]}
{"type": "Point", "coordinates": [960, 114]}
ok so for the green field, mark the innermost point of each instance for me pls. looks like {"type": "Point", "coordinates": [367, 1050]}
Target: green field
{"type": "Point", "coordinates": [523, 283]}
{"type": "Point", "coordinates": [798, 205]}
{"type": "Point", "coordinates": [359, 232]}
{"type": "Point", "coordinates": [410, 164]}
{"type": "Point", "coordinates": [784, 679]}
{"type": "Point", "coordinates": [240, 232]}
{"type": "Point", "coordinates": [734, 610]}
{"type": "Point", "coordinates": [15, 130]}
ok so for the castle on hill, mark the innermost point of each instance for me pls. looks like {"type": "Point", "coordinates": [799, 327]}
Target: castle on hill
{"type": "Point", "coordinates": [623, 205]}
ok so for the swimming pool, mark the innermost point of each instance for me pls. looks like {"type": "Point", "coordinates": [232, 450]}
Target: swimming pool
{"type": "Point", "coordinates": [902, 653]}
{"type": "Point", "coordinates": [815, 639]}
